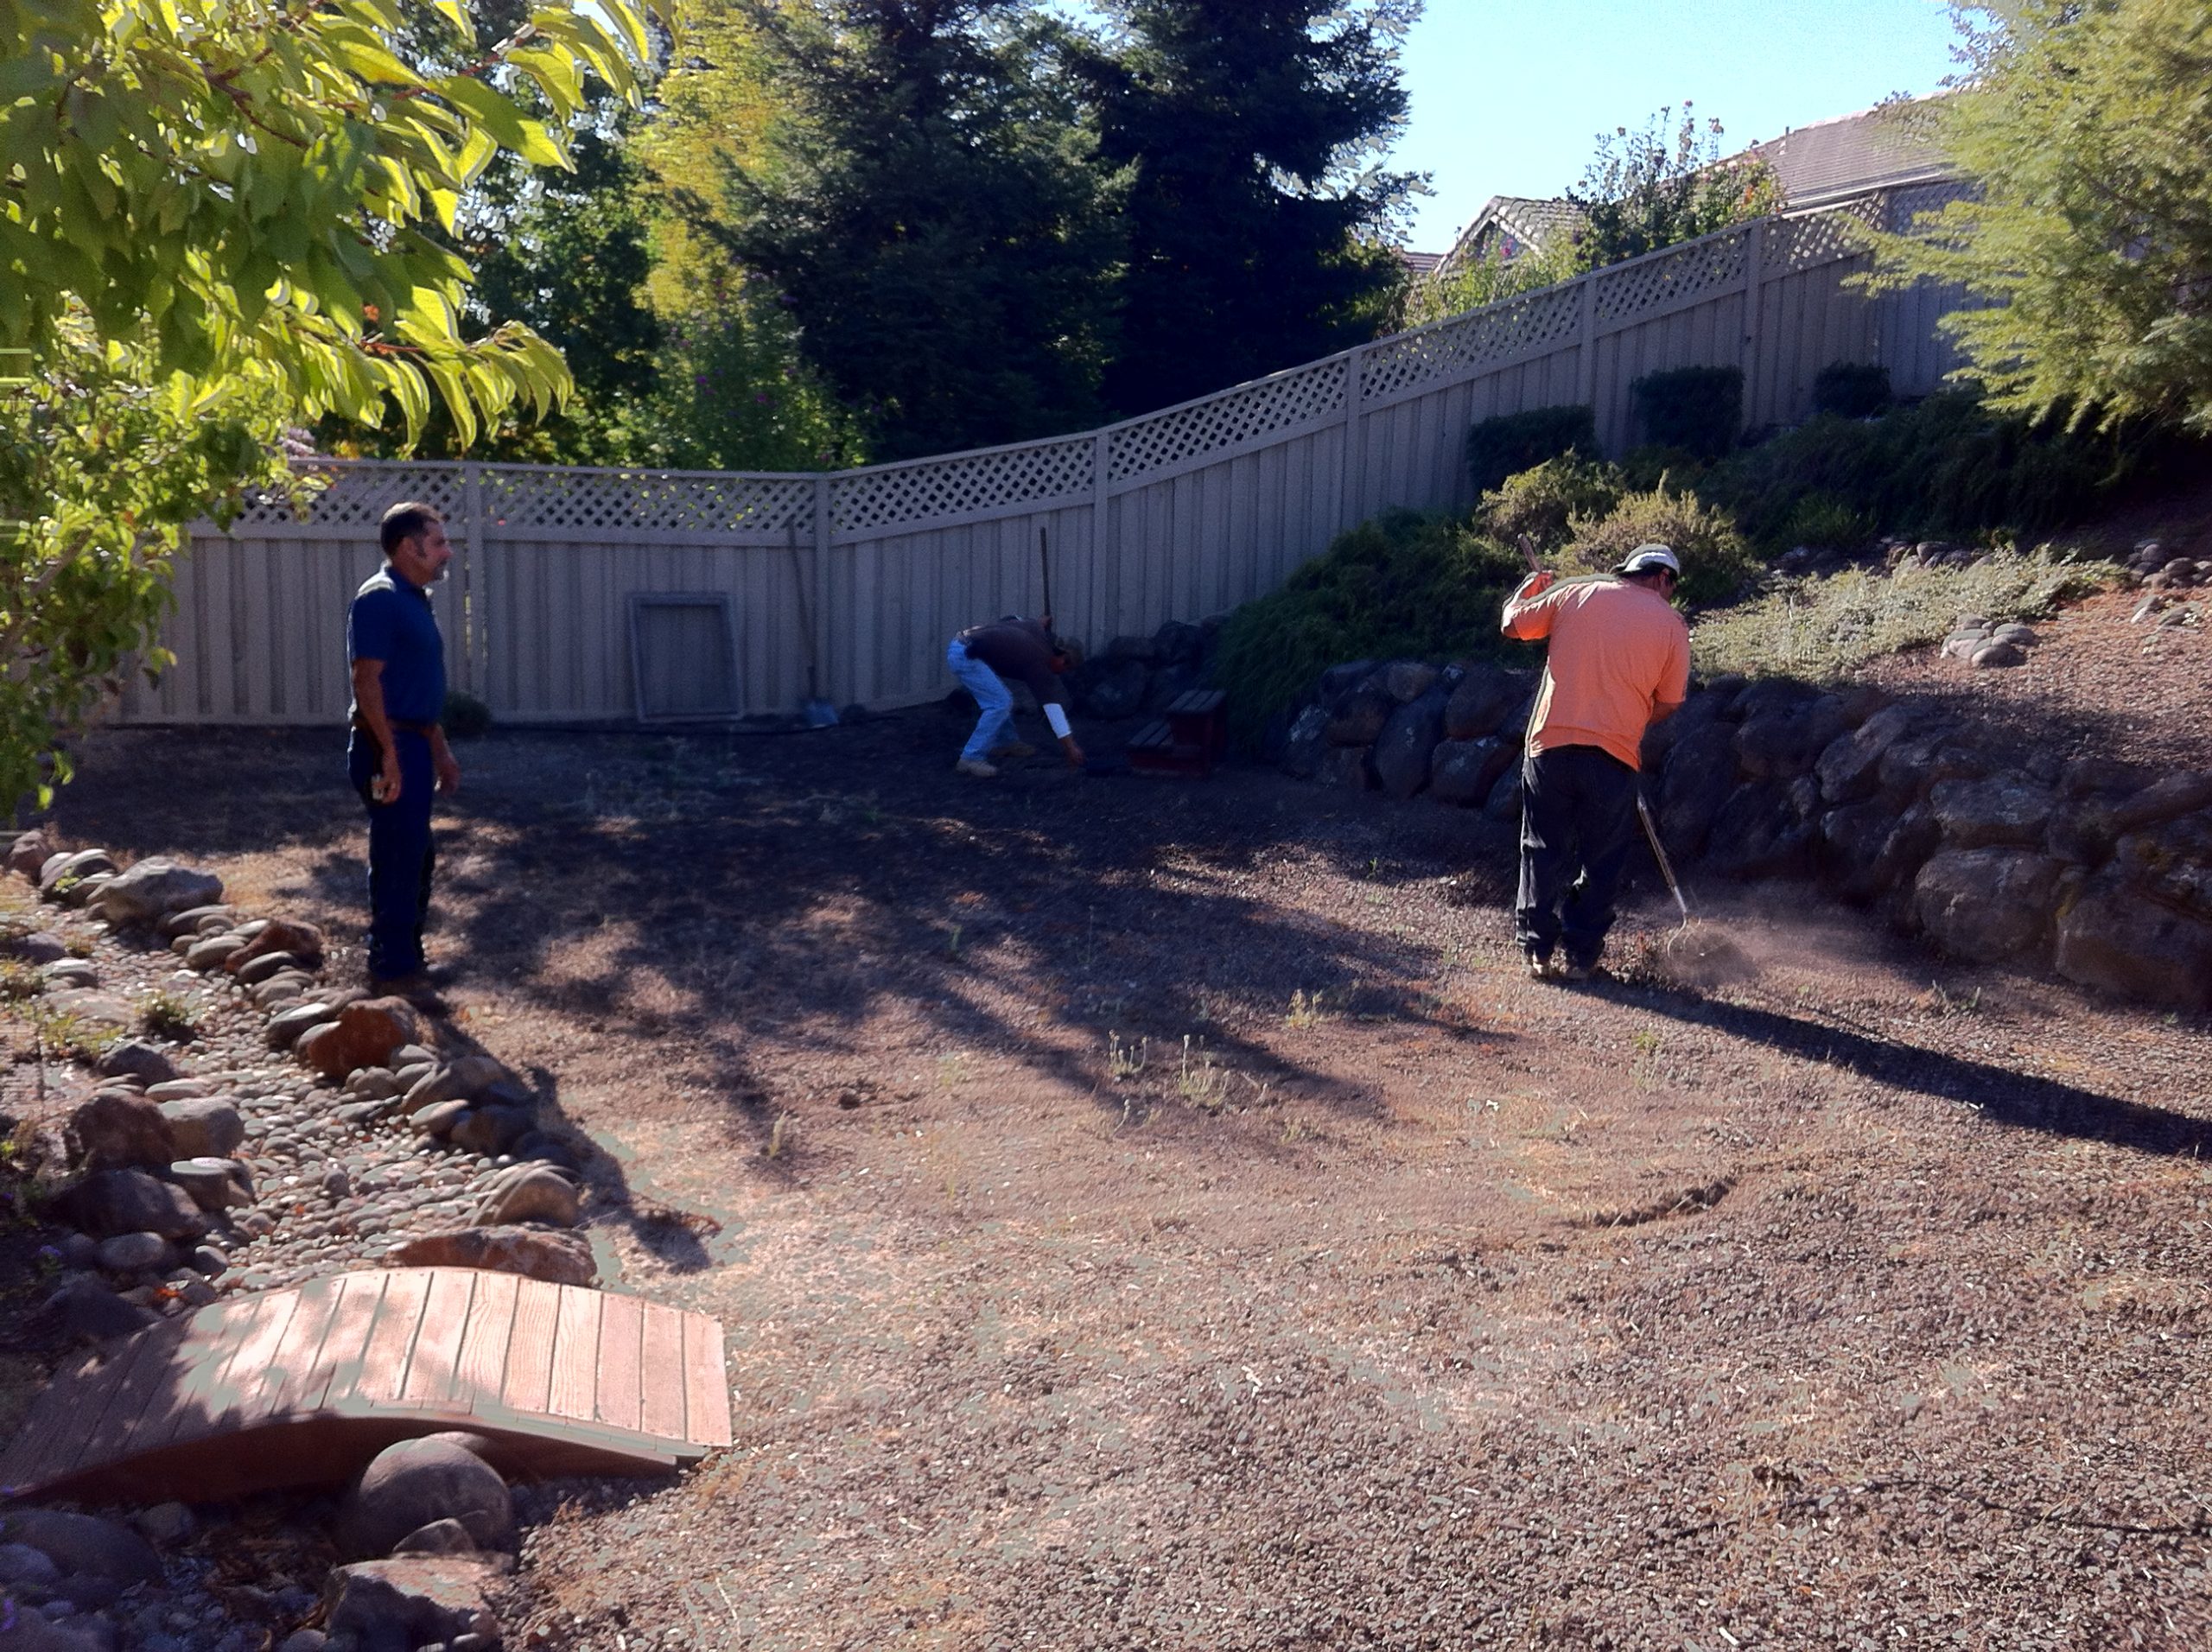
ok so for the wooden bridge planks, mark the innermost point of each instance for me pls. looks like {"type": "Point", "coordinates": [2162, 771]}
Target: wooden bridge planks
{"type": "Point", "coordinates": [564, 1380]}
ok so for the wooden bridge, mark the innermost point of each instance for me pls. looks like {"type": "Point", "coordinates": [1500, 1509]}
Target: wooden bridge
{"type": "Point", "coordinates": [301, 1387]}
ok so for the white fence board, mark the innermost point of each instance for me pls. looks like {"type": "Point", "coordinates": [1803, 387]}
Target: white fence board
{"type": "Point", "coordinates": [1180, 513]}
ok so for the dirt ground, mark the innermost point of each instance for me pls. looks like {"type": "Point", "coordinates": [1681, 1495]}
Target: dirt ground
{"type": "Point", "coordinates": [1161, 1215]}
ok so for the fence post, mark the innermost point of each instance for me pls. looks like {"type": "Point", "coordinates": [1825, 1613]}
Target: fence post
{"type": "Point", "coordinates": [820, 579]}
{"type": "Point", "coordinates": [476, 660]}
{"type": "Point", "coordinates": [1354, 456]}
{"type": "Point", "coordinates": [1585, 340]}
{"type": "Point", "coordinates": [1101, 458]}
{"type": "Point", "coordinates": [1754, 278]}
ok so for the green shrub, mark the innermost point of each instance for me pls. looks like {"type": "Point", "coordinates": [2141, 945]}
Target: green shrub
{"type": "Point", "coordinates": [1403, 584]}
{"type": "Point", "coordinates": [1512, 442]}
{"type": "Point", "coordinates": [465, 716]}
{"type": "Point", "coordinates": [1851, 390]}
{"type": "Point", "coordinates": [1715, 560]}
{"type": "Point", "coordinates": [1540, 503]}
{"type": "Point", "coordinates": [1822, 629]}
{"type": "Point", "coordinates": [1825, 523]}
{"type": "Point", "coordinates": [1698, 410]}
{"type": "Point", "coordinates": [1944, 466]}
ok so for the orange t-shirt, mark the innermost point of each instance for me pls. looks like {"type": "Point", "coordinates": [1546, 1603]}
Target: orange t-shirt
{"type": "Point", "coordinates": [1618, 652]}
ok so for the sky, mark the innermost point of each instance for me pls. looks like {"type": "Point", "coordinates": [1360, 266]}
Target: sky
{"type": "Point", "coordinates": [1508, 96]}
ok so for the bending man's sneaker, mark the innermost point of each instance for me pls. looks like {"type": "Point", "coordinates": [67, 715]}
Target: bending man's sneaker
{"type": "Point", "coordinates": [1539, 964]}
{"type": "Point", "coordinates": [977, 767]}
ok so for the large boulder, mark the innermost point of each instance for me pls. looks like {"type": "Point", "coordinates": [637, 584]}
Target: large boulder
{"type": "Point", "coordinates": [153, 889]}
{"type": "Point", "coordinates": [2167, 799]}
{"type": "Point", "coordinates": [2117, 939]}
{"type": "Point", "coordinates": [411, 1601]}
{"type": "Point", "coordinates": [1484, 699]}
{"type": "Point", "coordinates": [1912, 768]}
{"type": "Point", "coordinates": [1109, 688]}
{"type": "Point", "coordinates": [1177, 642]}
{"type": "Point", "coordinates": [1849, 767]}
{"type": "Point", "coordinates": [1990, 905]}
{"type": "Point", "coordinates": [215, 1184]}
{"type": "Point", "coordinates": [1306, 743]}
{"type": "Point", "coordinates": [1464, 771]}
{"type": "Point", "coordinates": [1700, 775]}
{"type": "Point", "coordinates": [560, 1258]}
{"type": "Point", "coordinates": [204, 1126]}
{"type": "Point", "coordinates": [1504, 804]}
{"type": "Point", "coordinates": [1402, 750]}
{"type": "Point", "coordinates": [302, 942]}
{"type": "Point", "coordinates": [85, 1309]}
{"type": "Point", "coordinates": [528, 1193]}
{"type": "Point", "coordinates": [1757, 834]}
{"type": "Point", "coordinates": [1784, 741]}
{"type": "Point", "coordinates": [1868, 848]}
{"type": "Point", "coordinates": [1406, 680]}
{"type": "Point", "coordinates": [2003, 809]}
{"type": "Point", "coordinates": [116, 1129]}
{"type": "Point", "coordinates": [1359, 720]}
{"type": "Point", "coordinates": [364, 1035]}
{"type": "Point", "coordinates": [439, 1476]}
{"type": "Point", "coordinates": [29, 851]}
{"type": "Point", "coordinates": [2171, 863]}
{"type": "Point", "coordinates": [108, 1202]}
{"type": "Point", "coordinates": [490, 1131]}
{"type": "Point", "coordinates": [2082, 831]}
{"type": "Point", "coordinates": [1702, 709]}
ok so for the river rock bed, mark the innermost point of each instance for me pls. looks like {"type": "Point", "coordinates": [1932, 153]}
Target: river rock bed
{"type": "Point", "coordinates": [203, 1112]}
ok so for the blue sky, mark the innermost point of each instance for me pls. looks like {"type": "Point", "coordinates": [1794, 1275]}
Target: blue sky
{"type": "Point", "coordinates": [1508, 99]}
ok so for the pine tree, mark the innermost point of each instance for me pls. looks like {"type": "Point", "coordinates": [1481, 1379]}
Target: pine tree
{"type": "Point", "coordinates": [1258, 208]}
{"type": "Point", "coordinates": [926, 201]}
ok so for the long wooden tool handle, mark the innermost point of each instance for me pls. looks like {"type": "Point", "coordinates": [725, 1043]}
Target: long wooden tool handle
{"type": "Point", "coordinates": [1659, 852]}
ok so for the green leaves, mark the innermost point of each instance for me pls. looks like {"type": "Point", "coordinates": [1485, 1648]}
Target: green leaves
{"type": "Point", "coordinates": [171, 168]}
{"type": "Point", "coordinates": [2085, 128]}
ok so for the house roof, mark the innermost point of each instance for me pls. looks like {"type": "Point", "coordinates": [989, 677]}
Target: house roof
{"type": "Point", "coordinates": [1417, 264]}
{"type": "Point", "coordinates": [1815, 165]}
{"type": "Point", "coordinates": [1828, 159]}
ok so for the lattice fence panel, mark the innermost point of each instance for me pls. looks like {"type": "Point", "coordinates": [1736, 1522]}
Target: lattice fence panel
{"type": "Point", "coordinates": [359, 495]}
{"type": "Point", "coordinates": [1710, 265]}
{"type": "Point", "coordinates": [1228, 420]}
{"type": "Point", "coordinates": [960, 484]}
{"type": "Point", "coordinates": [1459, 348]}
{"type": "Point", "coordinates": [1794, 244]}
{"type": "Point", "coordinates": [1907, 204]}
{"type": "Point", "coordinates": [615, 502]}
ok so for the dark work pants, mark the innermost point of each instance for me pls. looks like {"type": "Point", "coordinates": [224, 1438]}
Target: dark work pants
{"type": "Point", "coordinates": [400, 854]}
{"type": "Point", "coordinates": [1578, 823]}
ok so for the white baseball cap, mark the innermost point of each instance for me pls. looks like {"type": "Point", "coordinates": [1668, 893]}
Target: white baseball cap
{"type": "Point", "coordinates": [1644, 558]}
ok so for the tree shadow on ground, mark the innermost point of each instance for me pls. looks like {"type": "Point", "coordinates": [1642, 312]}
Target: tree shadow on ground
{"type": "Point", "coordinates": [2003, 1094]}
{"type": "Point", "coordinates": [722, 898]}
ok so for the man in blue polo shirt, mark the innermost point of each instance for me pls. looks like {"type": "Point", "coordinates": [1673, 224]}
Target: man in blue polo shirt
{"type": "Point", "coordinates": [398, 750]}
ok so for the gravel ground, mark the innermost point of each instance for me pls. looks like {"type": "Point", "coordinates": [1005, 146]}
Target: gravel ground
{"type": "Point", "coordinates": [1409, 1303]}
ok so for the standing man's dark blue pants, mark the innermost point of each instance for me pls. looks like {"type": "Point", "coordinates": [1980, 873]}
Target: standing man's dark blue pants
{"type": "Point", "coordinates": [400, 853]}
{"type": "Point", "coordinates": [1578, 823]}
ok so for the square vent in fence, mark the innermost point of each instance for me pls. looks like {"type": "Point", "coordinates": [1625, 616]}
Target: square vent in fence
{"type": "Point", "coordinates": [683, 655]}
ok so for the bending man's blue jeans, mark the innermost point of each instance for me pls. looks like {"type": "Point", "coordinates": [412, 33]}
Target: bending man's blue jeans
{"type": "Point", "coordinates": [993, 695]}
{"type": "Point", "coordinates": [1578, 823]}
{"type": "Point", "coordinates": [401, 856]}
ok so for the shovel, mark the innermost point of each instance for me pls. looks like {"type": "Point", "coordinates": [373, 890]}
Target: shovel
{"type": "Point", "coordinates": [818, 711]}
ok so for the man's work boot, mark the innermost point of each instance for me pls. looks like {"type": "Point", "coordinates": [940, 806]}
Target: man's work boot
{"type": "Point", "coordinates": [1539, 964]}
{"type": "Point", "coordinates": [1572, 971]}
{"type": "Point", "coordinates": [978, 767]}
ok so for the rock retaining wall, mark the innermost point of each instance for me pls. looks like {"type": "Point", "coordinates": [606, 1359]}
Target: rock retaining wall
{"type": "Point", "coordinates": [2095, 869]}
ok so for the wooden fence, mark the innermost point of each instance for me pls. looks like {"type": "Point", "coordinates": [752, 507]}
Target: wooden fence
{"type": "Point", "coordinates": [1171, 516]}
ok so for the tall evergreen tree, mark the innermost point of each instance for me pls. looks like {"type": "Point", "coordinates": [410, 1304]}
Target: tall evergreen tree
{"type": "Point", "coordinates": [926, 198]}
{"type": "Point", "coordinates": [1259, 208]}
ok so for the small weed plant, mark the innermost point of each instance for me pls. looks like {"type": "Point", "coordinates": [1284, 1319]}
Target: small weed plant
{"type": "Point", "coordinates": [1307, 1010]}
{"type": "Point", "coordinates": [169, 1014]}
{"type": "Point", "coordinates": [1123, 1061]}
{"type": "Point", "coordinates": [19, 980]}
{"type": "Point", "coordinates": [781, 1136]}
{"type": "Point", "coordinates": [1200, 1080]}
{"type": "Point", "coordinates": [1824, 629]}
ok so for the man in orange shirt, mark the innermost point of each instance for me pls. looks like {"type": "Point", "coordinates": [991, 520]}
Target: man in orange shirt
{"type": "Point", "coordinates": [1619, 661]}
